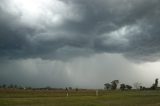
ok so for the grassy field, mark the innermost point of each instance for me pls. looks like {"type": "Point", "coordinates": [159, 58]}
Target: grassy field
{"type": "Point", "coordinates": [80, 98]}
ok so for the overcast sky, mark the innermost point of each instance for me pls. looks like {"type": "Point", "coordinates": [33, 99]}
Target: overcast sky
{"type": "Point", "coordinates": [79, 43]}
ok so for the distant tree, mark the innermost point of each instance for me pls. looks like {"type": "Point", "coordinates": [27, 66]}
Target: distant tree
{"type": "Point", "coordinates": [15, 86]}
{"type": "Point", "coordinates": [76, 89]}
{"type": "Point", "coordinates": [122, 87]}
{"type": "Point", "coordinates": [47, 88]}
{"type": "Point", "coordinates": [10, 86]}
{"type": "Point", "coordinates": [70, 88]}
{"type": "Point", "coordinates": [107, 86]}
{"type": "Point", "coordinates": [114, 84]}
{"type": "Point", "coordinates": [156, 82]}
{"type": "Point", "coordinates": [137, 85]}
{"type": "Point", "coordinates": [4, 86]}
{"type": "Point", "coordinates": [155, 85]}
{"type": "Point", "coordinates": [29, 88]}
{"type": "Point", "coordinates": [128, 87]}
{"type": "Point", "coordinates": [141, 87]}
{"type": "Point", "coordinates": [20, 87]}
{"type": "Point", "coordinates": [66, 89]}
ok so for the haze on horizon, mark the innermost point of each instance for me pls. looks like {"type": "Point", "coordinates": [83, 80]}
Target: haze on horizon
{"type": "Point", "coordinates": [79, 43]}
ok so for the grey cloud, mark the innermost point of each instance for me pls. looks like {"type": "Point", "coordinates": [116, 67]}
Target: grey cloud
{"type": "Point", "coordinates": [145, 45]}
{"type": "Point", "coordinates": [128, 27]}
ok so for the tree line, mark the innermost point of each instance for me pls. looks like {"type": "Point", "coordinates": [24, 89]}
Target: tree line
{"type": "Point", "coordinates": [15, 86]}
{"type": "Point", "coordinates": [12, 86]}
{"type": "Point", "coordinates": [113, 86]}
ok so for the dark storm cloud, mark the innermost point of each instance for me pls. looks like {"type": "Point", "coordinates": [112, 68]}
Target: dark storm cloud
{"type": "Point", "coordinates": [129, 27]}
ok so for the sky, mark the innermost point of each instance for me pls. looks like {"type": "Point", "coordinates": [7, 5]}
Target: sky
{"type": "Point", "coordinates": [79, 43]}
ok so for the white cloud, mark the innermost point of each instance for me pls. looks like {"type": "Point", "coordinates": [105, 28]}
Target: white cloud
{"type": "Point", "coordinates": [41, 12]}
{"type": "Point", "coordinates": [120, 36]}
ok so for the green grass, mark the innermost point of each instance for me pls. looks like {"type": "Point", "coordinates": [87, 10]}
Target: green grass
{"type": "Point", "coordinates": [80, 98]}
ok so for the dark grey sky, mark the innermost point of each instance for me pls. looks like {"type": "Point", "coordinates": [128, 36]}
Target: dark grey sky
{"type": "Point", "coordinates": [80, 43]}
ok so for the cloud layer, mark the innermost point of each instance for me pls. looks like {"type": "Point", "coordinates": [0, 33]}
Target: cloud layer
{"type": "Point", "coordinates": [59, 29]}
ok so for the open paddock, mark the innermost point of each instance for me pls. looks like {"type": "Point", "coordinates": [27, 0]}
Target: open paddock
{"type": "Point", "coordinates": [14, 97]}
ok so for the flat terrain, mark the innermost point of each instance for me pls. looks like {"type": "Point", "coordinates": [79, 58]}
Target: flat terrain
{"type": "Point", "coordinates": [81, 98]}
